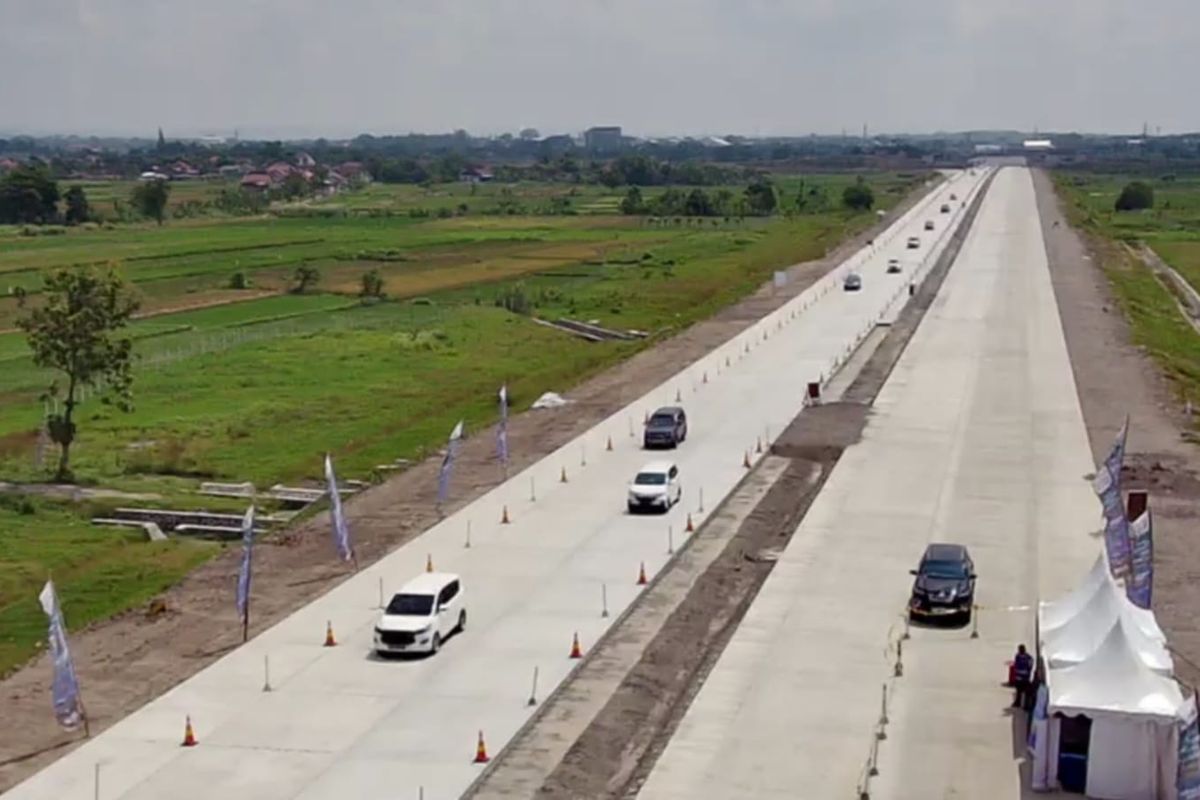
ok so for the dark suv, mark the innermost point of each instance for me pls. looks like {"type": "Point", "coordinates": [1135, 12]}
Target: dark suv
{"type": "Point", "coordinates": [945, 584]}
{"type": "Point", "coordinates": [666, 427]}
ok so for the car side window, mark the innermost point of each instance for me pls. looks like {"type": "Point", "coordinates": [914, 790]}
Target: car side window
{"type": "Point", "coordinates": [450, 592]}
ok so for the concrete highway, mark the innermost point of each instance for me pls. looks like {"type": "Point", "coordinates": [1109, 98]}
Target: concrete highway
{"type": "Point", "coordinates": [339, 723]}
{"type": "Point", "coordinates": [976, 438]}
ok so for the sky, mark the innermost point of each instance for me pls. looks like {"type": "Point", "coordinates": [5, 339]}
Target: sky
{"type": "Point", "coordinates": [298, 68]}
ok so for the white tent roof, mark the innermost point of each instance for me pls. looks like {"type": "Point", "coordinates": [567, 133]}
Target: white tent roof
{"type": "Point", "coordinates": [1113, 681]}
{"type": "Point", "coordinates": [1097, 592]}
{"type": "Point", "coordinates": [1073, 641]}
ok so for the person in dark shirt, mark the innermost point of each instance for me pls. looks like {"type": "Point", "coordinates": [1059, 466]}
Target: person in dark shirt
{"type": "Point", "coordinates": [1023, 673]}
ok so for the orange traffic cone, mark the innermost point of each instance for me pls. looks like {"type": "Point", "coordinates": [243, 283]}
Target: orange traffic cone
{"type": "Point", "coordinates": [705, 378]}
{"type": "Point", "coordinates": [504, 520]}
{"type": "Point", "coordinates": [329, 640]}
{"type": "Point", "coordinates": [576, 650]}
{"type": "Point", "coordinates": [678, 396]}
{"type": "Point", "coordinates": [429, 563]}
{"type": "Point", "coordinates": [641, 581]}
{"type": "Point", "coordinates": [746, 459]}
{"type": "Point", "coordinates": [690, 527]}
{"type": "Point", "coordinates": [189, 736]}
{"type": "Point", "coordinates": [562, 478]}
{"type": "Point", "coordinates": [481, 756]}
{"type": "Point", "coordinates": [608, 446]}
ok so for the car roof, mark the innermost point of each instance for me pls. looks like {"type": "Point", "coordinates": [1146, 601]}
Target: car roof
{"type": "Point", "coordinates": [668, 410]}
{"type": "Point", "coordinates": [428, 583]}
{"type": "Point", "coordinates": [656, 466]}
{"type": "Point", "coordinates": [945, 552]}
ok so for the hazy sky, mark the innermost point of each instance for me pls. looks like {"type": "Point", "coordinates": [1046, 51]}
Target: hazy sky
{"type": "Point", "coordinates": [338, 67]}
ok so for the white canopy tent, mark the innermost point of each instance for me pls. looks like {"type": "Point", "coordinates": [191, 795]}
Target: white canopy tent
{"type": "Point", "coordinates": [1056, 614]}
{"type": "Point", "coordinates": [1132, 749]}
{"type": "Point", "coordinates": [1078, 637]}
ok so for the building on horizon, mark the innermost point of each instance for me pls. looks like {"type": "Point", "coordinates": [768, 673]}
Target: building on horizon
{"type": "Point", "coordinates": [603, 139]}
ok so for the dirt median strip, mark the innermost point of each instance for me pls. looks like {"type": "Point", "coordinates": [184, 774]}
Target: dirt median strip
{"type": "Point", "coordinates": [127, 661]}
{"type": "Point", "coordinates": [609, 729]}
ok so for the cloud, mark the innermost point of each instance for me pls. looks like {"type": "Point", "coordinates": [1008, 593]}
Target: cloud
{"type": "Point", "coordinates": [290, 67]}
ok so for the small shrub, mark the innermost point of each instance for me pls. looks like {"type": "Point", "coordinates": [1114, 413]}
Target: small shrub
{"type": "Point", "coordinates": [238, 280]}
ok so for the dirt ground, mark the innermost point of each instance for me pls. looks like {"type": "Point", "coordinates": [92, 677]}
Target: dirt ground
{"type": "Point", "coordinates": [1115, 378]}
{"type": "Point", "coordinates": [125, 662]}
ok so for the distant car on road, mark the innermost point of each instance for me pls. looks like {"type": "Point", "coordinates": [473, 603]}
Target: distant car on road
{"type": "Point", "coordinates": [852, 283]}
{"type": "Point", "coordinates": [893, 266]}
{"type": "Point", "coordinates": [945, 208]}
{"type": "Point", "coordinates": [422, 615]}
{"type": "Point", "coordinates": [913, 243]}
{"type": "Point", "coordinates": [928, 224]}
{"type": "Point", "coordinates": [945, 584]}
{"type": "Point", "coordinates": [666, 427]}
{"type": "Point", "coordinates": [953, 196]}
{"type": "Point", "coordinates": [656, 487]}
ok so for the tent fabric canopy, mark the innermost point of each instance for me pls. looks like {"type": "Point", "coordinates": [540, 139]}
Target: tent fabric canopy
{"type": "Point", "coordinates": [1097, 590]}
{"type": "Point", "coordinates": [1056, 613]}
{"type": "Point", "coordinates": [1114, 681]}
{"type": "Point", "coordinates": [1075, 640]}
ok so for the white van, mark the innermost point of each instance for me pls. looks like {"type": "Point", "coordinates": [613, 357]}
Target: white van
{"type": "Point", "coordinates": [422, 615]}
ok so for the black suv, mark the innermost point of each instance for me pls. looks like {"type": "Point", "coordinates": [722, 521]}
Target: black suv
{"type": "Point", "coordinates": [945, 584]}
{"type": "Point", "coordinates": [666, 427]}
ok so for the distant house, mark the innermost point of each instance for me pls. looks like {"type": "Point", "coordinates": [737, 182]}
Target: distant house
{"type": "Point", "coordinates": [305, 161]}
{"type": "Point", "coordinates": [182, 170]}
{"type": "Point", "coordinates": [232, 171]}
{"type": "Point", "coordinates": [279, 171]}
{"type": "Point", "coordinates": [476, 175]}
{"type": "Point", "coordinates": [154, 175]}
{"type": "Point", "coordinates": [256, 182]}
{"type": "Point", "coordinates": [1038, 144]}
{"type": "Point", "coordinates": [353, 172]}
{"type": "Point", "coordinates": [603, 139]}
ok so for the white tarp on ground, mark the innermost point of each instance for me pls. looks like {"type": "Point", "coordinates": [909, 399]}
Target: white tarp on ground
{"type": "Point", "coordinates": [1073, 641]}
{"type": "Point", "coordinates": [1132, 749]}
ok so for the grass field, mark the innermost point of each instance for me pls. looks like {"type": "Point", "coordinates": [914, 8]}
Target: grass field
{"type": "Point", "coordinates": [259, 389]}
{"type": "Point", "coordinates": [1172, 229]}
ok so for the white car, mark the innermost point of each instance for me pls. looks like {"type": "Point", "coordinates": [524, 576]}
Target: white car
{"type": "Point", "coordinates": [852, 282]}
{"type": "Point", "coordinates": [655, 487]}
{"type": "Point", "coordinates": [422, 615]}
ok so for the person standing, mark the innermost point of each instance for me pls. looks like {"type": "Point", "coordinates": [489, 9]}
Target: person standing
{"type": "Point", "coordinates": [1023, 677]}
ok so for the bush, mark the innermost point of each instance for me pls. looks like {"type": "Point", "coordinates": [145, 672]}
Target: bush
{"type": "Point", "coordinates": [238, 280]}
{"type": "Point", "coordinates": [858, 196]}
{"type": "Point", "coordinates": [1136, 196]}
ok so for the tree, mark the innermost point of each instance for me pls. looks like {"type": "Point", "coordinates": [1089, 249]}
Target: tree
{"type": "Point", "coordinates": [633, 202]}
{"type": "Point", "coordinates": [295, 185]}
{"type": "Point", "coordinates": [760, 197]}
{"type": "Point", "coordinates": [28, 194]}
{"type": "Point", "coordinates": [698, 204]}
{"type": "Point", "coordinates": [372, 285]}
{"type": "Point", "coordinates": [162, 140]}
{"type": "Point", "coordinates": [1135, 196]}
{"type": "Point", "coordinates": [529, 134]}
{"type": "Point", "coordinates": [74, 331]}
{"type": "Point", "coordinates": [858, 196]}
{"type": "Point", "coordinates": [304, 278]}
{"type": "Point", "coordinates": [77, 206]}
{"type": "Point", "coordinates": [150, 199]}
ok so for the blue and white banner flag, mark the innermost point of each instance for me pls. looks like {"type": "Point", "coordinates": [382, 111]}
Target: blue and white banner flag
{"type": "Point", "coordinates": [65, 689]}
{"type": "Point", "coordinates": [341, 533]}
{"type": "Point", "coordinates": [1187, 776]}
{"type": "Point", "coordinates": [1140, 587]}
{"type": "Point", "coordinates": [1107, 485]}
{"type": "Point", "coordinates": [502, 431]}
{"type": "Point", "coordinates": [243, 584]}
{"type": "Point", "coordinates": [448, 462]}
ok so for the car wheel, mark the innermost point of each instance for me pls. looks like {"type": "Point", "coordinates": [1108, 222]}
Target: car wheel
{"type": "Point", "coordinates": [436, 644]}
{"type": "Point", "coordinates": [631, 508]}
{"type": "Point", "coordinates": [462, 621]}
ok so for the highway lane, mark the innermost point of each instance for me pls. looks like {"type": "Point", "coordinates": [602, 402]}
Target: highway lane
{"type": "Point", "coordinates": [340, 723]}
{"type": "Point", "coordinates": [977, 438]}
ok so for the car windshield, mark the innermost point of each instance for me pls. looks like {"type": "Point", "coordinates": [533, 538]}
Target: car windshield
{"type": "Point", "coordinates": [414, 605]}
{"type": "Point", "coordinates": [945, 569]}
{"type": "Point", "coordinates": [650, 479]}
{"type": "Point", "coordinates": [662, 421]}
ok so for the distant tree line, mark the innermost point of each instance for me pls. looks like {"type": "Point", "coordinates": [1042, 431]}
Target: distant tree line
{"type": "Point", "coordinates": [29, 195]}
{"type": "Point", "coordinates": [759, 198]}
